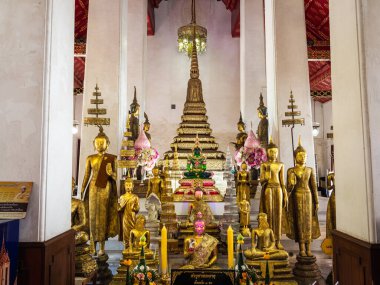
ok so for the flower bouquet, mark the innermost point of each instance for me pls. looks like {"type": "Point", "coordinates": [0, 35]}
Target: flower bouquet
{"type": "Point", "coordinates": [251, 153]}
{"type": "Point", "coordinates": [146, 157]}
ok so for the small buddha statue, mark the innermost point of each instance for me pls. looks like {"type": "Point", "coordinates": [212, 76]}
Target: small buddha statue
{"type": "Point", "coordinates": [196, 163]}
{"type": "Point", "coordinates": [100, 193]}
{"type": "Point", "coordinates": [134, 115]}
{"type": "Point", "coordinates": [129, 205]}
{"type": "Point", "coordinates": [273, 194]}
{"type": "Point", "coordinates": [175, 166]}
{"type": "Point", "coordinates": [242, 135]}
{"type": "Point", "coordinates": [156, 184]}
{"type": "Point", "coordinates": [147, 126]}
{"type": "Point", "coordinates": [243, 181]}
{"type": "Point", "coordinates": [303, 225]}
{"type": "Point", "coordinates": [137, 233]}
{"type": "Point", "coordinates": [78, 213]}
{"type": "Point", "coordinates": [262, 128]}
{"type": "Point", "coordinates": [331, 206]}
{"type": "Point", "coordinates": [199, 205]}
{"type": "Point", "coordinates": [263, 242]}
{"type": "Point", "coordinates": [200, 250]}
{"type": "Point", "coordinates": [245, 215]}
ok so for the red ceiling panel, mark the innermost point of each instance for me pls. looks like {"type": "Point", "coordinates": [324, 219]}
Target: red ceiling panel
{"type": "Point", "coordinates": [81, 18]}
{"type": "Point", "coordinates": [79, 69]}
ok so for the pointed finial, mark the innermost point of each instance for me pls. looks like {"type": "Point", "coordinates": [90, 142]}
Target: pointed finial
{"type": "Point", "coordinates": [261, 100]}
{"type": "Point", "coordinates": [194, 72]}
{"type": "Point", "coordinates": [193, 16]}
{"type": "Point", "coordinates": [146, 119]}
{"type": "Point", "coordinates": [134, 96]}
{"type": "Point", "coordinates": [271, 139]}
{"type": "Point", "coordinates": [299, 148]}
{"type": "Point", "coordinates": [299, 140]}
{"type": "Point", "coordinates": [271, 143]}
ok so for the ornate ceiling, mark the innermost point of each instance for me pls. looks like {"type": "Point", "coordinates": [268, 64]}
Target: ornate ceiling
{"type": "Point", "coordinates": [318, 41]}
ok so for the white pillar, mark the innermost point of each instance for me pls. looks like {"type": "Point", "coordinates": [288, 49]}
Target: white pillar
{"type": "Point", "coordinates": [102, 67]}
{"type": "Point", "coordinates": [287, 69]}
{"type": "Point", "coordinates": [137, 47]}
{"type": "Point", "coordinates": [355, 49]}
{"type": "Point", "coordinates": [252, 59]}
{"type": "Point", "coordinates": [36, 79]}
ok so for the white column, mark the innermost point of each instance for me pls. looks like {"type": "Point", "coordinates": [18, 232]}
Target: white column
{"type": "Point", "coordinates": [137, 47]}
{"type": "Point", "coordinates": [36, 74]}
{"type": "Point", "coordinates": [287, 69]}
{"type": "Point", "coordinates": [252, 59]}
{"type": "Point", "coordinates": [355, 49]}
{"type": "Point", "coordinates": [102, 67]}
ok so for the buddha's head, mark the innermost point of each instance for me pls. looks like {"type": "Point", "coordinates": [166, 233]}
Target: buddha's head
{"type": "Point", "coordinates": [199, 225]}
{"type": "Point", "coordinates": [198, 194]}
{"type": "Point", "coordinates": [140, 222]}
{"type": "Point", "coordinates": [262, 220]}
{"type": "Point", "coordinates": [101, 141]}
{"type": "Point", "coordinates": [128, 184]}
{"type": "Point", "coordinates": [272, 150]}
{"type": "Point", "coordinates": [244, 166]}
{"type": "Point", "coordinates": [146, 127]}
{"type": "Point", "coordinates": [300, 154]}
{"type": "Point", "coordinates": [241, 127]}
{"type": "Point", "coordinates": [155, 171]}
{"type": "Point", "coordinates": [197, 151]}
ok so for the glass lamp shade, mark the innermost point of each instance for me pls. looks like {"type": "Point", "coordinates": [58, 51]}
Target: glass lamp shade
{"type": "Point", "coordinates": [75, 127]}
{"type": "Point", "coordinates": [315, 129]}
{"type": "Point", "coordinates": [185, 38]}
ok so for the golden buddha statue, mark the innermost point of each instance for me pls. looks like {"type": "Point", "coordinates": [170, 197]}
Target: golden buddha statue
{"type": "Point", "coordinates": [156, 185]}
{"type": "Point", "coordinates": [147, 126]}
{"type": "Point", "coordinates": [263, 242]}
{"type": "Point", "coordinates": [100, 193]}
{"type": "Point", "coordinates": [137, 233]}
{"type": "Point", "coordinates": [331, 206]}
{"type": "Point", "coordinates": [303, 224]}
{"type": "Point", "coordinates": [78, 213]}
{"type": "Point", "coordinates": [199, 205]}
{"type": "Point", "coordinates": [245, 215]}
{"type": "Point", "coordinates": [273, 194]}
{"type": "Point", "coordinates": [242, 135]}
{"type": "Point", "coordinates": [262, 128]}
{"type": "Point", "coordinates": [200, 250]}
{"type": "Point", "coordinates": [243, 180]}
{"type": "Point", "coordinates": [129, 204]}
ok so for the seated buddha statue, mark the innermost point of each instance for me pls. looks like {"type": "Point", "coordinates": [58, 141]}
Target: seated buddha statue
{"type": "Point", "coordinates": [136, 234]}
{"type": "Point", "coordinates": [199, 205]}
{"type": "Point", "coordinates": [200, 250]}
{"type": "Point", "coordinates": [196, 163]}
{"type": "Point", "coordinates": [263, 242]}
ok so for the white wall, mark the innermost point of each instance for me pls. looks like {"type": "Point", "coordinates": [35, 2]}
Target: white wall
{"type": "Point", "coordinates": [36, 83]}
{"type": "Point", "coordinates": [168, 72]}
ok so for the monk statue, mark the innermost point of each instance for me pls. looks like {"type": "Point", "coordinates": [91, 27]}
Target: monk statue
{"type": "Point", "coordinates": [200, 206]}
{"type": "Point", "coordinates": [196, 163]}
{"type": "Point", "coordinates": [331, 206]}
{"type": "Point", "coordinates": [84, 263]}
{"type": "Point", "coordinates": [242, 135]}
{"type": "Point", "coordinates": [136, 234]}
{"type": "Point", "coordinates": [156, 184]}
{"type": "Point", "coordinates": [100, 193]}
{"type": "Point", "coordinates": [129, 205]}
{"type": "Point", "coordinates": [262, 128]}
{"type": "Point", "coordinates": [200, 250]}
{"type": "Point", "coordinates": [273, 194]}
{"type": "Point", "coordinates": [245, 215]}
{"type": "Point", "coordinates": [263, 242]}
{"type": "Point", "coordinates": [303, 224]}
{"type": "Point", "coordinates": [147, 126]}
{"type": "Point", "coordinates": [242, 180]}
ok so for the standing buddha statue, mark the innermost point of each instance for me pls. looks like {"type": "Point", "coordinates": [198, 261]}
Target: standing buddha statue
{"type": "Point", "coordinates": [134, 114]}
{"type": "Point", "coordinates": [200, 250]}
{"type": "Point", "coordinates": [262, 128]}
{"type": "Point", "coordinates": [242, 135]}
{"type": "Point", "coordinates": [243, 180]}
{"type": "Point", "coordinates": [100, 193]}
{"type": "Point", "coordinates": [129, 204]}
{"type": "Point", "coordinates": [156, 185]}
{"type": "Point", "coordinates": [331, 206]}
{"type": "Point", "coordinates": [245, 215]}
{"type": "Point", "coordinates": [303, 224]}
{"type": "Point", "coordinates": [273, 194]}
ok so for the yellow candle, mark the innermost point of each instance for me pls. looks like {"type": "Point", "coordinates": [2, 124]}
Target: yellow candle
{"type": "Point", "coordinates": [230, 247]}
{"type": "Point", "coordinates": [164, 250]}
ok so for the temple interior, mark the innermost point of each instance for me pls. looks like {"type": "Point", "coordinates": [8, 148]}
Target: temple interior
{"type": "Point", "coordinates": [153, 142]}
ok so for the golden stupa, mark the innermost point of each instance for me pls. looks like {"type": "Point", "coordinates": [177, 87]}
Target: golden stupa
{"type": "Point", "coordinates": [194, 121]}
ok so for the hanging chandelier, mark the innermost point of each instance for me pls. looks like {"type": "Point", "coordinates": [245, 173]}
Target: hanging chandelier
{"type": "Point", "coordinates": [186, 34]}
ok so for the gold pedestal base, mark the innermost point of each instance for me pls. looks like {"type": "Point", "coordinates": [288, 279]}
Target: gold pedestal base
{"type": "Point", "coordinates": [279, 270]}
{"type": "Point", "coordinates": [185, 192]}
